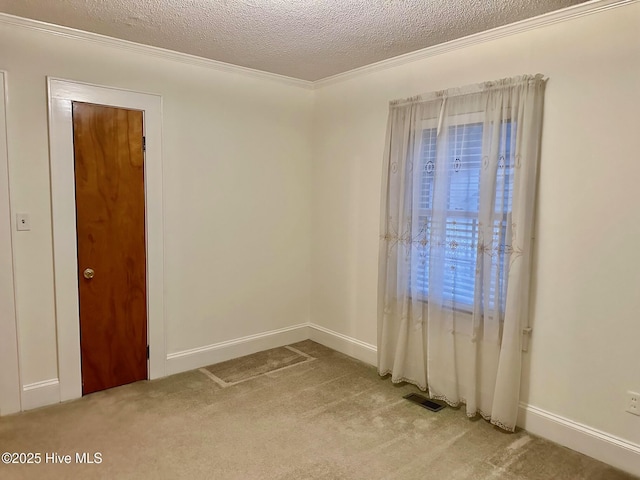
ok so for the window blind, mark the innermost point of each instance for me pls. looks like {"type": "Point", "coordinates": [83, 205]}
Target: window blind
{"type": "Point", "coordinates": [458, 253]}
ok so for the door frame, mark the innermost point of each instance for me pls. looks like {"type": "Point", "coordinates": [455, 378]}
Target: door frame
{"type": "Point", "coordinates": [9, 354]}
{"type": "Point", "coordinates": [61, 94]}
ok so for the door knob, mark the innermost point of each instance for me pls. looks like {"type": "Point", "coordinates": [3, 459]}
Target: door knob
{"type": "Point", "coordinates": [88, 273]}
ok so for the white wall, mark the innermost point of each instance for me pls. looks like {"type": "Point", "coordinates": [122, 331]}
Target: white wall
{"type": "Point", "coordinates": [586, 308]}
{"type": "Point", "coordinates": [272, 196]}
{"type": "Point", "coordinates": [236, 167]}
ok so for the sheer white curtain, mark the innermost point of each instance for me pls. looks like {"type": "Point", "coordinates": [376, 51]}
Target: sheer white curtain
{"type": "Point", "coordinates": [456, 223]}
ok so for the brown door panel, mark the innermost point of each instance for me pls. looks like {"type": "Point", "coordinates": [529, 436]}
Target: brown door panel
{"type": "Point", "coordinates": [109, 170]}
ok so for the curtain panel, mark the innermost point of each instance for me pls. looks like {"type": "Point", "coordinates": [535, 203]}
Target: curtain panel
{"type": "Point", "coordinates": [457, 214]}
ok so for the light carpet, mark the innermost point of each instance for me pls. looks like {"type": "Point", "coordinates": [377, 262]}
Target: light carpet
{"type": "Point", "coordinates": [330, 418]}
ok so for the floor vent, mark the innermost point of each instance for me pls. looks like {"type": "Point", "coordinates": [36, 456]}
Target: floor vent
{"type": "Point", "coordinates": [424, 402]}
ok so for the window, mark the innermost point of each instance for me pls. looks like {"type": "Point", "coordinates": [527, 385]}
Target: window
{"type": "Point", "coordinates": [457, 213]}
{"type": "Point", "coordinates": [459, 181]}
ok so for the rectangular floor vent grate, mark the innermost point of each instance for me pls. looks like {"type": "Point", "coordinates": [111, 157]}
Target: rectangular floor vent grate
{"type": "Point", "coordinates": [424, 402]}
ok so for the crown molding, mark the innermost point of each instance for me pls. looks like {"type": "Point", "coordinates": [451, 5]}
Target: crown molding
{"type": "Point", "coordinates": [563, 15]}
{"type": "Point", "coordinates": [566, 14]}
{"type": "Point", "coordinates": [149, 50]}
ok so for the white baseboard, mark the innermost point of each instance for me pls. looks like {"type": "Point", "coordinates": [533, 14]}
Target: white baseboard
{"type": "Point", "coordinates": [39, 394]}
{"type": "Point", "coordinates": [581, 438]}
{"type": "Point", "coordinates": [220, 352]}
{"type": "Point", "coordinates": [600, 445]}
{"type": "Point", "coordinates": [344, 344]}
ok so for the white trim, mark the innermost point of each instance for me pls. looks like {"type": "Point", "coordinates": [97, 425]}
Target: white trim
{"type": "Point", "coordinates": [61, 94]}
{"type": "Point", "coordinates": [219, 352]}
{"type": "Point", "coordinates": [541, 21]}
{"type": "Point", "coordinates": [600, 445]}
{"type": "Point", "coordinates": [565, 14]}
{"type": "Point", "coordinates": [10, 371]}
{"type": "Point", "coordinates": [353, 347]}
{"type": "Point", "coordinates": [40, 394]}
{"type": "Point", "coordinates": [149, 50]}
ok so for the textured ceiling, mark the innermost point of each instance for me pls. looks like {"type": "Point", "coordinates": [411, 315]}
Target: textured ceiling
{"type": "Point", "coordinates": [306, 39]}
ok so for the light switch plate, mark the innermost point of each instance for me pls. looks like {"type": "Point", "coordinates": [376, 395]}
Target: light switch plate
{"type": "Point", "coordinates": [23, 222]}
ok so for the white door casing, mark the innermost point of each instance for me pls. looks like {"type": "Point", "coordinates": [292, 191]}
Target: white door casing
{"type": "Point", "coordinates": [61, 94]}
{"type": "Point", "coordinates": [10, 371]}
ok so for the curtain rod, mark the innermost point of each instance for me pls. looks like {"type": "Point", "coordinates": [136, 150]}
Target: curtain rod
{"type": "Point", "coordinates": [471, 89]}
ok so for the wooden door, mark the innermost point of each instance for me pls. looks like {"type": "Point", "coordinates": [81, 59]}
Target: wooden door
{"type": "Point", "coordinates": [109, 176]}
